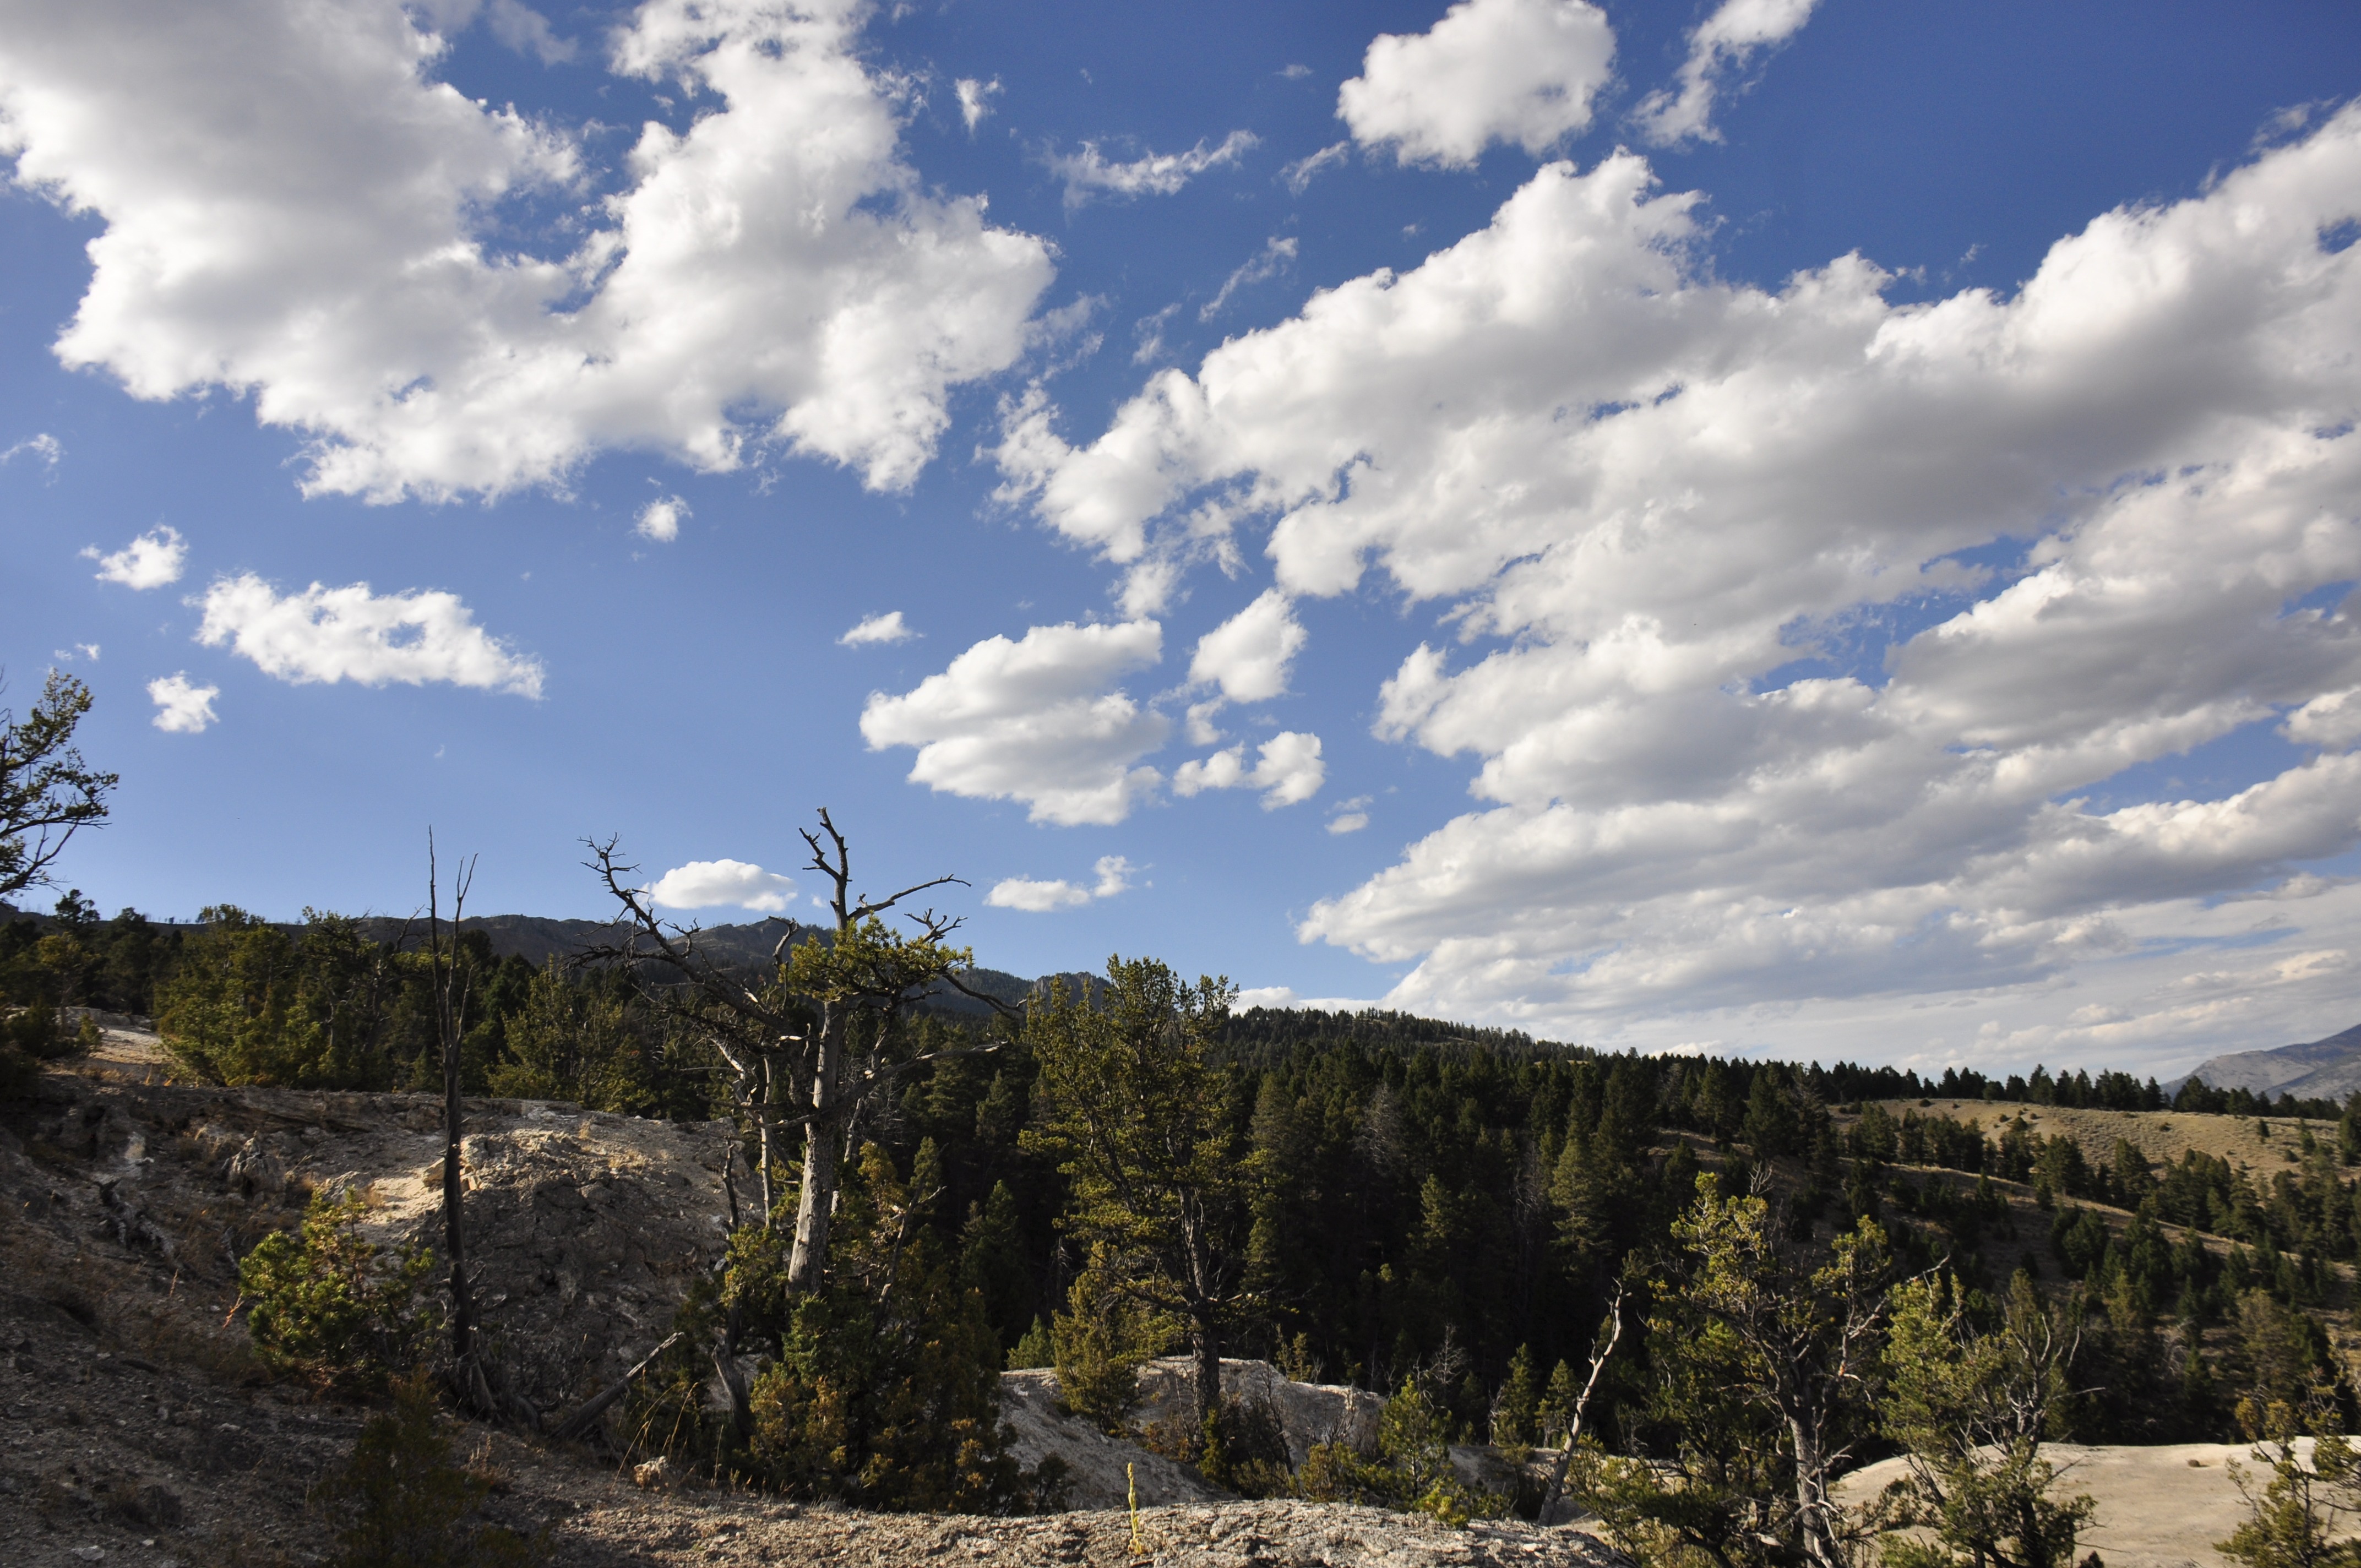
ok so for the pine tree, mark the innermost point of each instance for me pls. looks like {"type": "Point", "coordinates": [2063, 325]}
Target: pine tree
{"type": "Point", "coordinates": [1515, 1411]}
{"type": "Point", "coordinates": [1143, 1125]}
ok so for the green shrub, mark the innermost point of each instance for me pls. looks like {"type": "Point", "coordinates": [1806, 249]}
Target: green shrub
{"type": "Point", "coordinates": [1243, 1449]}
{"type": "Point", "coordinates": [881, 1388]}
{"type": "Point", "coordinates": [34, 1032]}
{"type": "Point", "coordinates": [402, 1501]}
{"type": "Point", "coordinates": [1100, 1347]}
{"type": "Point", "coordinates": [333, 1309]}
{"type": "Point", "coordinates": [1034, 1349]}
{"type": "Point", "coordinates": [1413, 1469]}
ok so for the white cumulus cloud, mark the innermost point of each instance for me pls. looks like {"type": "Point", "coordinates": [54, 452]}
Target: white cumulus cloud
{"type": "Point", "coordinates": [886, 628]}
{"type": "Point", "coordinates": [1114, 873]}
{"type": "Point", "coordinates": [704, 885]}
{"type": "Point", "coordinates": [1726, 42]}
{"type": "Point", "coordinates": [1091, 172]}
{"type": "Point", "coordinates": [1287, 769]}
{"type": "Point", "coordinates": [151, 561]}
{"type": "Point", "coordinates": [1491, 71]}
{"type": "Point", "coordinates": [660, 520]}
{"type": "Point", "coordinates": [1248, 655]}
{"type": "Point", "coordinates": [1033, 721]}
{"type": "Point", "coordinates": [183, 707]}
{"type": "Point", "coordinates": [292, 207]}
{"type": "Point", "coordinates": [350, 633]}
{"type": "Point", "coordinates": [1647, 493]}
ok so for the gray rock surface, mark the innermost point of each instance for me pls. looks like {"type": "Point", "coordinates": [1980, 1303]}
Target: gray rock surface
{"type": "Point", "coordinates": [1308, 1413]}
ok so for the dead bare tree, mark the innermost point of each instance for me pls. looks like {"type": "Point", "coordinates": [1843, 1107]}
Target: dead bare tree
{"type": "Point", "coordinates": [449, 1028]}
{"type": "Point", "coordinates": [815, 1041]}
{"type": "Point", "coordinates": [810, 1044]}
{"type": "Point", "coordinates": [1603, 1348]}
{"type": "Point", "coordinates": [475, 1385]}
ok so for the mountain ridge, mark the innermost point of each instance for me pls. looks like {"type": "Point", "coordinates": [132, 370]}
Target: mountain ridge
{"type": "Point", "coordinates": [2325, 1068]}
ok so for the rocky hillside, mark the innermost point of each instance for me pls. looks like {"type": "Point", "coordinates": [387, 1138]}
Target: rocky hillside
{"type": "Point", "coordinates": [135, 1424]}
{"type": "Point", "coordinates": [2317, 1069]}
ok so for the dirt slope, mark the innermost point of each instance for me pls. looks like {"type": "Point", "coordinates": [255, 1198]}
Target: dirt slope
{"type": "Point", "coordinates": [2159, 1508]}
{"type": "Point", "coordinates": [135, 1426]}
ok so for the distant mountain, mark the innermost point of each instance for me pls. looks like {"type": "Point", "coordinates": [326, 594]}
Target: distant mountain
{"type": "Point", "coordinates": [537, 938]}
{"type": "Point", "coordinates": [2317, 1069]}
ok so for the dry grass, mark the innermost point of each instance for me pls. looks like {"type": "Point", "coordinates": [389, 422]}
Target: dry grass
{"type": "Point", "coordinates": [2162, 1135]}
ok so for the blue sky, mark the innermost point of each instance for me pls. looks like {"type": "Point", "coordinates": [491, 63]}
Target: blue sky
{"type": "Point", "coordinates": [1769, 526]}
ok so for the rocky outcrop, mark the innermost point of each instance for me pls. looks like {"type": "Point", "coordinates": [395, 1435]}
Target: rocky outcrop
{"type": "Point", "coordinates": [1099, 1469]}
{"type": "Point", "coordinates": [1308, 1413]}
{"type": "Point", "coordinates": [585, 1230]}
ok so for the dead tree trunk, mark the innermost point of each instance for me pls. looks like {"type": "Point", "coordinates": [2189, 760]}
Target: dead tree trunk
{"type": "Point", "coordinates": [450, 1027]}
{"type": "Point", "coordinates": [1582, 1405]}
{"type": "Point", "coordinates": [783, 1061]}
{"type": "Point", "coordinates": [823, 1144]}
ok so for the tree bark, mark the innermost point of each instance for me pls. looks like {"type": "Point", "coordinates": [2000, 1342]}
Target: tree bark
{"type": "Point", "coordinates": [1582, 1406]}
{"type": "Point", "coordinates": [815, 1205]}
{"type": "Point", "coordinates": [1812, 1506]}
{"type": "Point", "coordinates": [1209, 1369]}
{"type": "Point", "coordinates": [450, 1020]}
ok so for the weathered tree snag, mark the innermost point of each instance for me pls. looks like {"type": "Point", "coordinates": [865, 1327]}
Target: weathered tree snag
{"type": "Point", "coordinates": [792, 1040]}
{"type": "Point", "coordinates": [1582, 1405]}
{"type": "Point", "coordinates": [450, 1021]}
{"type": "Point", "coordinates": [599, 1404]}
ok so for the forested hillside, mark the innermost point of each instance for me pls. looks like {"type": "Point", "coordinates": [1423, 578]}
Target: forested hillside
{"type": "Point", "coordinates": [1089, 1175]}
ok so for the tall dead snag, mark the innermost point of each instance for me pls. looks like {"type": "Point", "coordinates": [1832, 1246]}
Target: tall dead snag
{"type": "Point", "coordinates": [813, 1041]}
{"type": "Point", "coordinates": [451, 986]}
{"type": "Point", "coordinates": [1603, 1348]}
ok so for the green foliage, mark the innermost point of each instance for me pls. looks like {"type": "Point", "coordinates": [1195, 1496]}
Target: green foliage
{"type": "Point", "coordinates": [402, 1501]}
{"type": "Point", "coordinates": [1516, 1412]}
{"type": "Point", "coordinates": [1766, 1355]}
{"type": "Point", "coordinates": [2302, 1517]}
{"type": "Point", "coordinates": [581, 1040]}
{"type": "Point", "coordinates": [252, 1004]}
{"type": "Point", "coordinates": [46, 791]}
{"type": "Point", "coordinates": [1971, 1409]}
{"type": "Point", "coordinates": [992, 1263]}
{"type": "Point", "coordinates": [886, 1388]}
{"type": "Point", "coordinates": [1034, 1348]}
{"type": "Point", "coordinates": [1131, 1106]}
{"type": "Point", "coordinates": [1099, 1342]}
{"type": "Point", "coordinates": [1412, 1470]}
{"type": "Point", "coordinates": [333, 1309]}
{"type": "Point", "coordinates": [881, 1388]}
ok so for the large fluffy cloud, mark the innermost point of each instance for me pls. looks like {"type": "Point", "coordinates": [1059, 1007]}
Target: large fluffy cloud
{"type": "Point", "coordinates": [1651, 494]}
{"type": "Point", "coordinates": [1033, 721]}
{"type": "Point", "coordinates": [294, 208]}
{"type": "Point", "coordinates": [707, 884]}
{"type": "Point", "coordinates": [326, 634]}
{"type": "Point", "coordinates": [1491, 71]}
